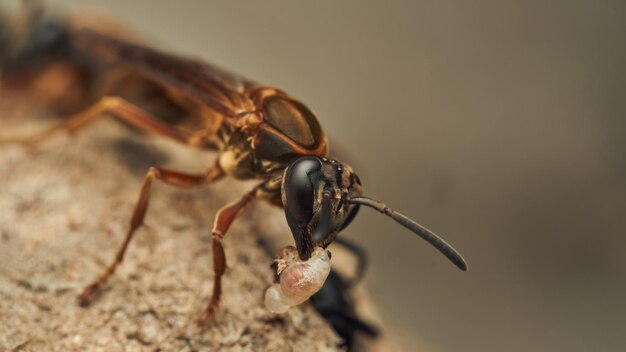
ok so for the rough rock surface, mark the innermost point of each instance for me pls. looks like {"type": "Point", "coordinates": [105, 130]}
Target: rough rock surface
{"type": "Point", "coordinates": [64, 209]}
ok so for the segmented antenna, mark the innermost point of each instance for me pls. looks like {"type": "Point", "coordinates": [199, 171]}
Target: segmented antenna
{"type": "Point", "coordinates": [436, 241]}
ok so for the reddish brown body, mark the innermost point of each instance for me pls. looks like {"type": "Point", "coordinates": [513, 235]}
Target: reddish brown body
{"type": "Point", "coordinates": [258, 129]}
{"type": "Point", "coordinates": [259, 132]}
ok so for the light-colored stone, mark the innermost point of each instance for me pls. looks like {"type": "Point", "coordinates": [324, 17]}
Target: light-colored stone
{"type": "Point", "coordinates": [64, 208]}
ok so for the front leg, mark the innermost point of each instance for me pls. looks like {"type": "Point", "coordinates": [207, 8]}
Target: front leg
{"type": "Point", "coordinates": [224, 218]}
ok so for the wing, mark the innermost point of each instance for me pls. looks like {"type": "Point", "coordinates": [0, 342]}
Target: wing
{"type": "Point", "coordinates": [207, 84]}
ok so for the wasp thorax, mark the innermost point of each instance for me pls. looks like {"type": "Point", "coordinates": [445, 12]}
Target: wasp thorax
{"type": "Point", "coordinates": [297, 280]}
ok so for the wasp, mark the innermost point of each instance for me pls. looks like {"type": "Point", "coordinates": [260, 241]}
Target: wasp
{"type": "Point", "coordinates": [259, 132]}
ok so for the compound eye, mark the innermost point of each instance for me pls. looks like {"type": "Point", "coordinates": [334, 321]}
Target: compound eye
{"type": "Point", "coordinates": [299, 190]}
{"type": "Point", "coordinates": [293, 119]}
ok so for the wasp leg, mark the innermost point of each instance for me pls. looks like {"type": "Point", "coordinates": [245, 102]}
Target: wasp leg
{"type": "Point", "coordinates": [170, 177]}
{"type": "Point", "coordinates": [116, 106]}
{"type": "Point", "coordinates": [224, 218]}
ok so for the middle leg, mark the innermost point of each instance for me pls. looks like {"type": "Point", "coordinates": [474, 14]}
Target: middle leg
{"type": "Point", "coordinates": [170, 177]}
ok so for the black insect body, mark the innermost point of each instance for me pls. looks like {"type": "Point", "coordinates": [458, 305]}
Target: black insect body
{"type": "Point", "coordinates": [334, 302]}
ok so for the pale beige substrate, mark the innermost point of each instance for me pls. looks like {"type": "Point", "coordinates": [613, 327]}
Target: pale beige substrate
{"type": "Point", "coordinates": [64, 208]}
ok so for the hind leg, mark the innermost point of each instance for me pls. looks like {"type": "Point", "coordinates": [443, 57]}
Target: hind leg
{"type": "Point", "coordinates": [115, 106]}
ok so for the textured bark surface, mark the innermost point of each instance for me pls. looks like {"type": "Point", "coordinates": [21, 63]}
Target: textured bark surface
{"type": "Point", "coordinates": [64, 209]}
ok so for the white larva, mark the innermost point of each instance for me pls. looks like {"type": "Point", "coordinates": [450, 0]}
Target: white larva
{"type": "Point", "coordinates": [298, 280]}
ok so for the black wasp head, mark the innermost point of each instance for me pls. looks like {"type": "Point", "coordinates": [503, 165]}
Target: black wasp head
{"type": "Point", "coordinates": [321, 197]}
{"type": "Point", "coordinates": [315, 194]}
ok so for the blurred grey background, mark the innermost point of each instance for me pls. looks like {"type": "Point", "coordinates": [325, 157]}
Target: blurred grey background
{"type": "Point", "coordinates": [499, 124]}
